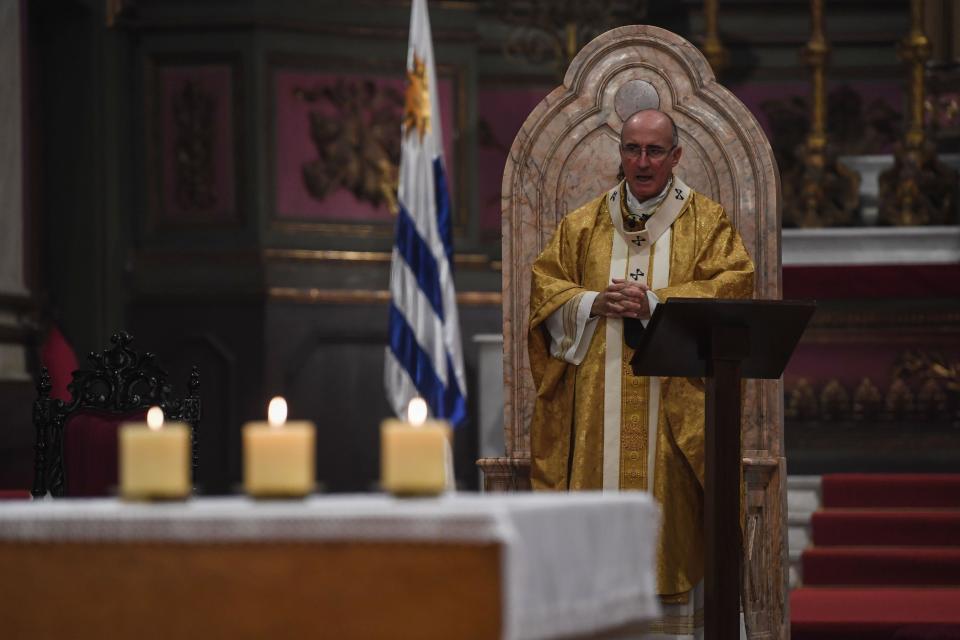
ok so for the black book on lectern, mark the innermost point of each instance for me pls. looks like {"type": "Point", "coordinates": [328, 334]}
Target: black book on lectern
{"type": "Point", "coordinates": [677, 340]}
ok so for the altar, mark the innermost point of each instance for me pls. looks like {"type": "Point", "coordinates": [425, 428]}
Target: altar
{"type": "Point", "coordinates": [351, 566]}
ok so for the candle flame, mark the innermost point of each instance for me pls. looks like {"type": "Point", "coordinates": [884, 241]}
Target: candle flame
{"type": "Point", "coordinates": [155, 418]}
{"type": "Point", "coordinates": [277, 412]}
{"type": "Point", "coordinates": [417, 412]}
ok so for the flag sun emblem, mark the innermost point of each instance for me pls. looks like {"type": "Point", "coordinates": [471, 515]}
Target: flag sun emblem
{"type": "Point", "coordinates": [416, 111]}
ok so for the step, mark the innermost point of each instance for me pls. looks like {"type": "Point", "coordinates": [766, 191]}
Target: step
{"type": "Point", "coordinates": [830, 613]}
{"type": "Point", "coordinates": [833, 527]}
{"type": "Point", "coordinates": [803, 496]}
{"type": "Point", "coordinates": [798, 538]}
{"type": "Point", "coordinates": [890, 566]}
{"type": "Point", "coordinates": [910, 490]}
{"type": "Point", "coordinates": [803, 499]}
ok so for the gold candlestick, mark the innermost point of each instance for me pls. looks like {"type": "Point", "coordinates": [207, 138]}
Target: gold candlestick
{"type": "Point", "coordinates": [713, 49]}
{"type": "Point", "coordinates": [915, 50]}
{"type": "Point", "coordinates": [825, 193]}
{"type": "Point", "coordinates": [919, 189]}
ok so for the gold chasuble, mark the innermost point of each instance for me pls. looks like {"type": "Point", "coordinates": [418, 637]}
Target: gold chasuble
{"type": "Point", "coordinates": [596, 425]}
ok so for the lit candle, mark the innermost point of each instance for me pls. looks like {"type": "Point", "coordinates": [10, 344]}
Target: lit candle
{"type": "Point", "coordinates": [278, 456]}
{"type": "Point", "coordinates": [154, 459]}
{"type": "Point", "coordinates": [414, 455]}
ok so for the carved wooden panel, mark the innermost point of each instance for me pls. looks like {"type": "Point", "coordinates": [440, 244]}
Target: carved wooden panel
{"type": "Point", "coordinates": [765, 561]}
{"type": "Point", "coordinates": [194, 114]}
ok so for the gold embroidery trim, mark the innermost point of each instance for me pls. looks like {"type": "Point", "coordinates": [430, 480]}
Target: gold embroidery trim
{"type": "Point", "coordinates": [569, 311]}
{"type": "Point", "coordinates": [677, 625]}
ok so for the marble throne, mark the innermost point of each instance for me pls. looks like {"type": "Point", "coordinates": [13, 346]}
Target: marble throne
{"type": "Point", "coordinates": [565, 154]}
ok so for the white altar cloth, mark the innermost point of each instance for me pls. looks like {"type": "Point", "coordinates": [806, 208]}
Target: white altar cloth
{"type": "Point", "coordinates": [574, 563]}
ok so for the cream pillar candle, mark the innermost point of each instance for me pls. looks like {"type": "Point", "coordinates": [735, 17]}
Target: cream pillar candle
{"type": "Point", "coordinates": [154, 459]}
{"type": "Point", "coordinates": [414, 455]}
{"type": "Point", "coordinates": [278, 456]}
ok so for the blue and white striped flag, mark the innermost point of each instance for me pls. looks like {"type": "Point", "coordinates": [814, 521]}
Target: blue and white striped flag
{"type": "Point", "coordinates": [425, 355]}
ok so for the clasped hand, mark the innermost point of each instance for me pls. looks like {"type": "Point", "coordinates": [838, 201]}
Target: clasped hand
{"type": "Point", "coordinates": [622, 300]}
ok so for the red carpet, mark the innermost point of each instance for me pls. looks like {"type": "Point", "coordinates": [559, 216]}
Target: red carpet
{"type": "Point", "coordinates": [873, 613]}
{"type": "Point", "coordinates": [885, 560]}
{"type": "Point", "coordinates": [908, 490]}
{"type": "Point", "coordinates": [837, 527]}
{"type": "Point", "coordinates": [882, 566]}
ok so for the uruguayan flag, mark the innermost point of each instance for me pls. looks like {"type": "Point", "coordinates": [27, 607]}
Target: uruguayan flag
{"type": "Point", "coordinates": [425, 355]}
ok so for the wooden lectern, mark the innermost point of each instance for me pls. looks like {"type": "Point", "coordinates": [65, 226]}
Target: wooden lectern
{"type": "Point", "coordinates": [723, 341]}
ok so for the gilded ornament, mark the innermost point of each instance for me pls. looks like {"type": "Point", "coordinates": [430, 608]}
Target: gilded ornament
{"type": "Point", "coordinates": [116, 10]}
{"type": "Point", "coordinates": [817, 189]}
{"type": "Point", "coordinates": [834, 401]}
{"type": "Point", "coordinates": [919, 189]}
{"type": "Point", "coordinates": [949, 373]}
{"type": "Point", "coordinates": [930, 365]}
{"type": "Point", "coordinates": [416, 109]}
{"type": "Point", "coordinates": [931, 401]}
{"type": "Point", "coordinates": [899, 403]}
{"type": "Point", "coordinates": [866, 401]}
{"type": "Point", "coordinates": [551, 32]}
{"type": "Point", "coordinates": [194, 112]}
{"type": "Point", "coordinates": [939, 379]}
{"type": "Point", "coordinates": [355, 130]}
{"type": "Point", "coordinates": [713, 50]}
{"type": "Point", "coordinates": [802, 404]}
{"type": "Point", "coordinates": [826, 193]}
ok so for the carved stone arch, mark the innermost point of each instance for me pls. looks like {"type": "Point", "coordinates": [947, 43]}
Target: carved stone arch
{"type": "Point", "coordinates": [564, 155]}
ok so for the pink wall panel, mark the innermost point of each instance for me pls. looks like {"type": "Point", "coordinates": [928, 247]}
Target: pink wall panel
{"type": "Point", "coordinates": [294, 147]}
{"type": "Point", "coordinates": [501, 113]}
{"type": "Point", "coordinates": [849, 363]}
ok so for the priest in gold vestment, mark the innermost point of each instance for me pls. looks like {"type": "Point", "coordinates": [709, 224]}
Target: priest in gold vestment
{"type": "Point", "coordinates": [595, 425]}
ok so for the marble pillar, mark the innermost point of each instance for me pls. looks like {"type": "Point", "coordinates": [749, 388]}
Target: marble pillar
{"type": "Point", "coordinates": [490, 437]}
{"type": "Point", "coordinates": [13, 289]}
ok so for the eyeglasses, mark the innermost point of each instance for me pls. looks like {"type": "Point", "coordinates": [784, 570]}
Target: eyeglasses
{"type": "Point", "coordinates": [653, 152]}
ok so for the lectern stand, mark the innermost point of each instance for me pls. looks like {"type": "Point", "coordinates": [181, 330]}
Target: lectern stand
{"type": "Point", "coordinates": [723, 341]}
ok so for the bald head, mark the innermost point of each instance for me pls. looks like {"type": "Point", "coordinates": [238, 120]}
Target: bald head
{"type": "Point", "coordinates": [649, 150]}
{"type": "Point", "coordinates": [654, 118]}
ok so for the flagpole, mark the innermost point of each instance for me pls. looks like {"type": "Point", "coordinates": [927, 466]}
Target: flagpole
{"type": "Point", "coordinates": [424, 355]}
